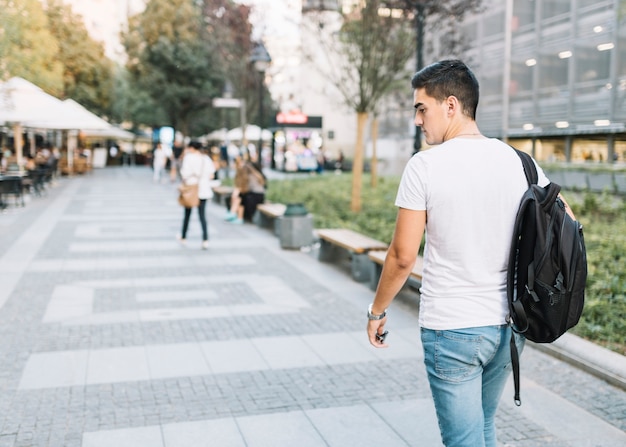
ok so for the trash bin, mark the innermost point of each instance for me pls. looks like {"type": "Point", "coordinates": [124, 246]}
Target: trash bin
{"type": "Point", "coordinates": [295, 226]}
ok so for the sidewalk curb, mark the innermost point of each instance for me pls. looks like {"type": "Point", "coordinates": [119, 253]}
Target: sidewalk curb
{"type": "Point", "coordinates": [601, 362]}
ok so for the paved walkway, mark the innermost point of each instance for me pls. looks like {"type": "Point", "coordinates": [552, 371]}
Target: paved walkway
{"type": "Point", "coordinates": [114, 335]}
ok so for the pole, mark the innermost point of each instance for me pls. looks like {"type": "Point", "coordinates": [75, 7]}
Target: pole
{"type": "Point", "coordinates": [242, 115]}
{"type": "Point", "coordinates": [18, 144]}
{"type": "Point", "coordinates": [260, 146]}
{"type": "Point", "coordinates": [273, 160]}
{"type": "Point", "coordinates": [419, 56]}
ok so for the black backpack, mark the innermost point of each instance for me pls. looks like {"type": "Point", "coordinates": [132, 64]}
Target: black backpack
{"type": "Point", "coordinates": [547, 268]}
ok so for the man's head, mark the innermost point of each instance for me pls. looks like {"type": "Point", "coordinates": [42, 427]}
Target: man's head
{"type": "Point", "coordinates": [449, 78]}
{"type": "Point", "coordinates": [445, 101]}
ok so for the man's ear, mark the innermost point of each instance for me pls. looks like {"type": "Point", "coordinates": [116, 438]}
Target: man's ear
{"type": "Point", "coordinates": [453, 105]}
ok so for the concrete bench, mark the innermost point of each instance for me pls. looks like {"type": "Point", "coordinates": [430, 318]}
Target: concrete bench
{"type": "Point", "coordinates": [267, 215]}
{"type": "Point", "coordinates": [221, 194]}
{"type": "Point", "coordinates": [336, 242]}
{"type": "Point", "coordinates": [377, 259]}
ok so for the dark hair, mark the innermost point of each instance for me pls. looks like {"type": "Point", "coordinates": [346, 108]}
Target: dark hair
{"type": "Point", "coordinates": [449, 78]}
{"type": "Point", "coordinates": [195, 144]}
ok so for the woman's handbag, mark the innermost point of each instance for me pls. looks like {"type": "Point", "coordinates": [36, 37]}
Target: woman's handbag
{"type": "Point", "coordinates": [188, 195]}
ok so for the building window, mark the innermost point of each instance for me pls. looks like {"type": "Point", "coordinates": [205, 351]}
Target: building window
{"type": "Point", "coordinates": [521, 78]}
{"type": "Point", "coordinates": [554, 8]}
{"type": "Point", "coordinates": [592, 64]}
{"type": "Point", "coordinates": [553, 70]}
{"type": "Point", "coordinates": [523, 14]}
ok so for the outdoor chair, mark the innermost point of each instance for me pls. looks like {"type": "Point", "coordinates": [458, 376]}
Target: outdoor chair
{"type": "Point", "coordinates": [11, 186]}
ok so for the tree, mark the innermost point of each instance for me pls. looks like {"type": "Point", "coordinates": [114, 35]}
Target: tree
{"type": "Point", "coordinates": [447, 14]}
{"type": "Point", "coordinates": [87, 72]}
{"type": "Point", "coordinates": [27, 48]}
{"type": "Point", "coordinates": [228, 29]}
{"type": "Point", "coordinates": [170, 63]}
{"type": "Point", "coordinates": [367, 58]}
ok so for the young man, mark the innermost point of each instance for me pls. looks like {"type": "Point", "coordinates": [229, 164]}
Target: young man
{"type": "Point", "coordinates": [464, 193]}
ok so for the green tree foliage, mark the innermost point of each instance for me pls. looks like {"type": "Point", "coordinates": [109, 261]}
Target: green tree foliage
{"type": "Point", "coordinates": [181, 55]}
{"type": "Point", "coordinates": [367, 58]}
{"type": "Point", "coordinates": [27, 47]}
{"type": "Point", "coordinates": [87, 72]}
{"type": "Point", "coordinates": [170, 64]}
{"type": "Point", "coordinates": [227, 30]}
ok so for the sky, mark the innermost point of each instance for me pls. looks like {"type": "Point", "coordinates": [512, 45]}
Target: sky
{"type": "Point", "coordinates": [274, 18]}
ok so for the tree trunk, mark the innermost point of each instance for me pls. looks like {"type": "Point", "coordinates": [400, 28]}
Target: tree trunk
{"type": "Point", "coordinates": [374, 164]}
{"type": "Point", "coordinates": [357, 164]}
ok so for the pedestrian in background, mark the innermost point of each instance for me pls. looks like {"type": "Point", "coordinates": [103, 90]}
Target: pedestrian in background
{"type": "Point", "coordinates": [464, 193]}
{"type": "Point", "coordinates": [197, 168]}
{"type": "Point", "coordinates": [159, 160]}
{"type": "Point", "coordinates": [255, 191]}
{"type": "Point", "coordinates": [235, 208]}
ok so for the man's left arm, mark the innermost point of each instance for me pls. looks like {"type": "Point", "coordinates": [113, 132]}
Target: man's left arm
{"type": "Point", "coordinates": [401, 256]}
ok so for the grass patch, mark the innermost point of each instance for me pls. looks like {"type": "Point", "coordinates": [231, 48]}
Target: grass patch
{"type": "Point", "coordinates": [602, 215]}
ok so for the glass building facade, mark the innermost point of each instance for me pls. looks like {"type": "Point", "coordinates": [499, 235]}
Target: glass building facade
{"type": "Point", "coordinates": [552, 76]}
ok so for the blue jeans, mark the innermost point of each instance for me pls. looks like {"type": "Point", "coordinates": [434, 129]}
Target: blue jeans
{"type": "Point", "coordinates": [467, 371]}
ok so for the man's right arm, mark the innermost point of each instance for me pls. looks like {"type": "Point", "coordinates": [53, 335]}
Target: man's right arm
{"type": "Point", "coordinates": [401, 256]}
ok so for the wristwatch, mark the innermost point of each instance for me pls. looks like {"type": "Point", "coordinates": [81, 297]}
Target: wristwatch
{"type": "Point", "coordinates": [371, 316]}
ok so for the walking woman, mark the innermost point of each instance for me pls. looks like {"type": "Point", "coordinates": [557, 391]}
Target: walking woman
{"type": "Point", "coordinates": [197, 168]}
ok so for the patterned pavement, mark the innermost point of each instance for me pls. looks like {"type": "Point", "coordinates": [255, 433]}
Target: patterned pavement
{"type": "Point", "coordinates": [112, 334]}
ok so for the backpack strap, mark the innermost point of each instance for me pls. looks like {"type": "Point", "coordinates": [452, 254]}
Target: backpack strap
{"type": "Point", "coordinates": [530, 171]}
{"type": "Point", "coordinates": [515, 367]}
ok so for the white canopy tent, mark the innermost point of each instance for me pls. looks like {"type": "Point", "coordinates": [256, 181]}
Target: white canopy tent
{"type": "Point", "coordinates": [253, 132]}
{"type": "Point", "coordinates": [217, 135]}
{"type": "Point", "coordinates": [91, 125]}
{"type": "Point", "coordinates": [23, 104]}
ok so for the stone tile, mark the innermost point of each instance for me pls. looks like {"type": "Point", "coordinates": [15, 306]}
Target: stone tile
{"type": "Point", "coordinates": [286, 352]}
{"type": "Point", "coordinates": [130, 437]}
{"type": "Point", "coordinates": [55, 369]}
{"type": "Point", "coordinates": [280, 430]}
{"type": "Point", "coordinates": [179, 360]}
{"type": "Point", "coordinates": [117, 365]}
{"type": "Point", "coordinates": [68, 302]}
{"type": "Point", "coordinates": [219, 432]}
{"type": "Point", "coordinates": [233, 356]}
{"type": "Point", "coordinates": [176, 295]}
{"type": "Point", "coordinates": [414, 420]}
{"type": "Point", "coordinates": [354, 426]}
{"type": "Point", "coordinates": [339, 348]}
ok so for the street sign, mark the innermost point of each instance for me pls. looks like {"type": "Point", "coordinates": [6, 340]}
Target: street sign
{"type": "Point", "coordinates": [227, 103]}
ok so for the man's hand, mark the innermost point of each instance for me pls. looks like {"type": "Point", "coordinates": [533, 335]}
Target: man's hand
{"type": "Point", "coordinates": [376, 327]}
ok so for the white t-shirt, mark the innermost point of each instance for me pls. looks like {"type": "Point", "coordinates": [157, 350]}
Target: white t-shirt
{"type": "Point", "coordinates": [471, 190]}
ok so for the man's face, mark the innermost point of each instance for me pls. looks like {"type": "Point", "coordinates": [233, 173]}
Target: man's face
{"type": "Point", "coordinates": [432, 116]}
